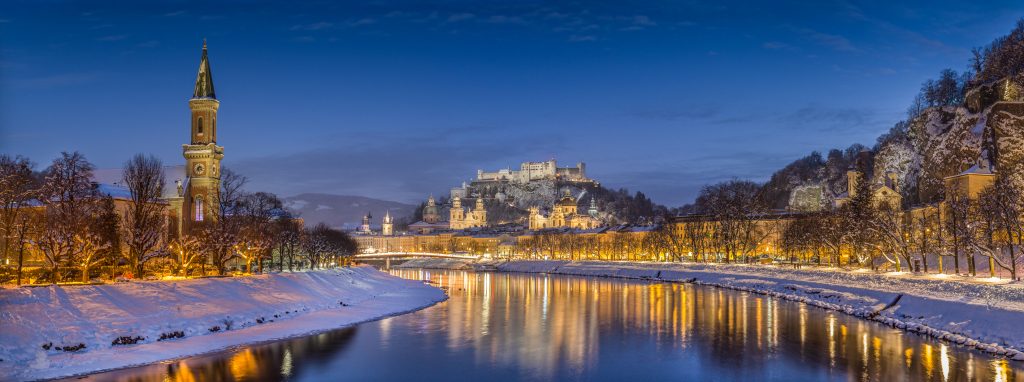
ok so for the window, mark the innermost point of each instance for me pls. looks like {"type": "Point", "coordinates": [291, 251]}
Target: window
{"type": "Point", "coordinates": [199, 209]}
{"type": "Point", "coordinates": [199, 127]}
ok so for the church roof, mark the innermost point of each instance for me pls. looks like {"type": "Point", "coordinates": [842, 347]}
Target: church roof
{"type": "Point", "coordinates": [204, 80]}
{"type": "Point", "coordinates": [567, 201]}
{"type": "Point", "coordinates": [112, 176]}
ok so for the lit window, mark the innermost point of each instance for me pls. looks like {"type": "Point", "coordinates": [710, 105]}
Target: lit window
{"type": "Point", "coordinates": [199, 209]}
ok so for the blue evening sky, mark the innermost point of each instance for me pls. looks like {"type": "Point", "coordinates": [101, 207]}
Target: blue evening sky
{"type": "Point", "coordinates": [396, 100]}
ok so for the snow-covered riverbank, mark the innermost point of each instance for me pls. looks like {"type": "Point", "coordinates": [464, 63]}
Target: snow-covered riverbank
{"type": "Point", "coordinates": [982, 315]}
{"type": "Point", "coordinates": [40, 328]}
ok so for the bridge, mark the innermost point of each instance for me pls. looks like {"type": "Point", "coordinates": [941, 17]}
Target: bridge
{"type": "Point", "coordinates": [387, 256]}
{"type": "Point", "coordinates": [391, 255]}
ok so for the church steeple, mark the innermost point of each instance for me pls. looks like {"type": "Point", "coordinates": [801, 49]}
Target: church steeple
{"type": "Point", "coordinates": [202, 155]}
{"type": "Point", "coordinates": [204, 80]}
{"type": "Point", "coordinates": [204, 105]}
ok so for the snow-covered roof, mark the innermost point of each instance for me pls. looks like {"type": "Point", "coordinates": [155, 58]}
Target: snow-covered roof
{"type": "Point", "coordinates": [113, 177]}
{"type": "Point", "coordinates": [976, 169]}
{"type": "Point", "coordinates": [114, 191]}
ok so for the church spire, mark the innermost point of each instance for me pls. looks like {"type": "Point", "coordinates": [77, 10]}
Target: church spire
{"type": "Point", "coordinates": [204, 80]}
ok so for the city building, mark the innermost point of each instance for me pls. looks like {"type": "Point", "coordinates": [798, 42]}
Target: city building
{"type": "Point", "coordinates": [459, 218]}
{"type": "Point", "coordinates": [565, 214]}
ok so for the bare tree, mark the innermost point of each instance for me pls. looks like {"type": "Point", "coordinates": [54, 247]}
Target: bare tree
{"type": "Point", "coordinates": [289, 238]}
{"type": "Point", "coordinates": [669, 238]}
{"type": "Point", "coordinates": [257, 213]}
{"type": "Point", "coordinates": [894, 233]}
{"type": "Point", "coordinates": [958, 209]}
{"type": "Point", "coordinates": [143, 223]}
{"type": "Point", "coordinates": [186, 250]}
{"type": "Point", "coordinates": [698, 234]}
{"type": "Point", "coordinates": [98, 242]}
{"type": "Point", "coordinates": [316, 245]}
{"type": "Point", "coordinates": [925, 231]}
{"type": "Point", "coordinates": [736, 205]}
{"type": "Point", "coordinates": [17, 189]}
{"type": "Point", "coordinates": [69, 197]}
{"type": "Point", "coordinates": [220, 236]}
{"type": "Point", "coordinates": [1000, 208]}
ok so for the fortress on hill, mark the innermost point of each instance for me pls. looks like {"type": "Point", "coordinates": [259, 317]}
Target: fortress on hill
{"type": "Point", "coordinates": [532, 171]}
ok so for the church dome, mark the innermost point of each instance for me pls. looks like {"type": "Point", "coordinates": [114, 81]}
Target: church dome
{"type": "Point", "coordinates": [567, 201]}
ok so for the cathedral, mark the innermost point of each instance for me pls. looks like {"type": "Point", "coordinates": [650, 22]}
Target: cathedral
{"type": "Point", "coordinates": [198, 193]}
{"type": "Point", "coordinates": [564, 214]}
{"type": "Point", "coordinates": [460, 219]}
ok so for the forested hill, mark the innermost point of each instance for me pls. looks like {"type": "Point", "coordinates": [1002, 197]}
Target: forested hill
{"type": "Point", "coordinates": [941, 136]}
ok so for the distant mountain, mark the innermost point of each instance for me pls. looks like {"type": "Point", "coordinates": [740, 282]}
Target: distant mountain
{"type": "Point", "coordinates": [344, 211]}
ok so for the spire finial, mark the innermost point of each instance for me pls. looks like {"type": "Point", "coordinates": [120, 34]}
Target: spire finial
{"type": "Point", "coordinates": [204, 43]}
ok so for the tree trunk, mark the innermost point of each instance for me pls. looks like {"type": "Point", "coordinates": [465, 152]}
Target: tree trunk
{"type": "Point", "coordinates": [1013, 254]}
{"type": "Point", "coordinates": [21, 261]}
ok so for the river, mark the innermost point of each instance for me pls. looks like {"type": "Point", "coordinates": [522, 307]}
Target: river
{"type": "Point", "coordinates": [504, 327]}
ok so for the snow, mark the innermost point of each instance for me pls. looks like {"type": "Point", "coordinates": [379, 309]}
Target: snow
{"type": "Point", "coordinates": [288, 304]}
{"type": "Point", "coordinates": [980, 313]}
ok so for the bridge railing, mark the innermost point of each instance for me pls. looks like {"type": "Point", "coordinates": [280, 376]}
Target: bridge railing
{"type": "Point", "coordinates": [414, 254]}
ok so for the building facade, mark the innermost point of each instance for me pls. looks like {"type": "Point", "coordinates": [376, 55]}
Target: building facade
{"type": "Point", "coordinates": [531, 171]}
{"type": "Point", "coordinates": [564, 214]}
{"type": "Point", "coordinates": [459, 218]}
{"type": "Point", "coordinates": [198, 194]}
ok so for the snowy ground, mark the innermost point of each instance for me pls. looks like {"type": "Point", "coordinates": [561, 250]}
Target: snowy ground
{"type": "Point", "coordinates": [211, 314]}
{"type": "Point", "coordinates": [973, 312]}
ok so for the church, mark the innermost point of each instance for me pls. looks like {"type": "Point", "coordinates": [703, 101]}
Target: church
{"type": "Point", "coordinates": [565, 214]}
{"type": "Point", "coordinates": [459, 218]}
{"type": "Point", "coordinates": [196, 192]}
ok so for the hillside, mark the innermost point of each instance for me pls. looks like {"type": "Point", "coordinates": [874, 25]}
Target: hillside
{"type": "Point", "coordinates": [956, 121]}
{"type": "Point", "coordinates": [509, 202]}
{"type": "Point", "coordinates": [343, 211]}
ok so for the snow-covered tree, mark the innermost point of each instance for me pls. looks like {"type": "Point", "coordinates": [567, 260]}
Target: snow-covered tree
{"type": "Point", "coordinates": [17, 188]}
{"type": "Point", "coordinates": [69, 198]}
{"type": "Point", "coordinates": [143, 224]}
{"type": "Point", "coordinates": [1000, 207]}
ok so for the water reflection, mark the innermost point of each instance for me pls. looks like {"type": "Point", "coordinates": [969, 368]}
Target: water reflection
{"type": "Point", "coordinates": [519, 326]}
{"type": "Point", "coordinates": [277, 361]}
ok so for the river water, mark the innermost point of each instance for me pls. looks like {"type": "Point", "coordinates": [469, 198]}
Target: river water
{"type": "Point", "coordinates": [504, 327]}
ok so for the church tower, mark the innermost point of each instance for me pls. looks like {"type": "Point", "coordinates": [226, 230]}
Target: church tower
{"type": "Point", "coordinates": [202, 155]}
{"type": "Point", "coordinates": [365, 226]}
{"type": "Point", "coordinates": [456, 216]}
{"type": "Point", "coordinates": [387, 226]}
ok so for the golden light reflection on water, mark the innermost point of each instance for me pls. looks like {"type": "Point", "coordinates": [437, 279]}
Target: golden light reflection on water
{"type": "Point", "coordinates": [551, 327]}
{"type": "Point", "coordinates": [562, 319]}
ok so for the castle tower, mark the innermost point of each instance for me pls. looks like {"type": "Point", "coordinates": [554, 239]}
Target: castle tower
{"type": "Point", "coordinates": [202, 155]}
{"type": "Point", "coordinates": [365, 226]}
{"type": "Point", "coordinates": [387, 226]}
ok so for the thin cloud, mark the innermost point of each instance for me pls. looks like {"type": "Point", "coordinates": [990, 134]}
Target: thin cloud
{"type": "Point", "coordinates": [582, 38]}
{"type": "Point", "coordinates": [57, 80]}
{"type": "Point", "coordinates": [460, 17]}
{"type": "Point", "coordinates": [833, 41]}
{"type": "Point", "coordinates": [112, 38]}
{"type": "Point", "coordinates": [312, 26]}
